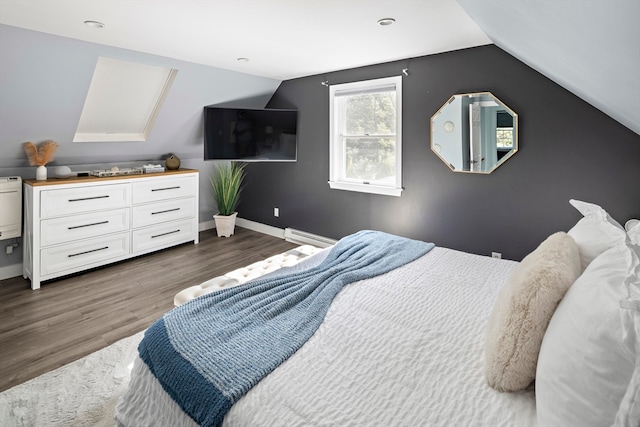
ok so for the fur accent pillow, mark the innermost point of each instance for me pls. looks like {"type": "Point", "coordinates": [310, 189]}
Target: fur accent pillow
{"type": "Point", "coordinates": [523, 309]}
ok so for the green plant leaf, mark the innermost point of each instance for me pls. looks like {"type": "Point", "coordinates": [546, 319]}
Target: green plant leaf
{"type": "Point", "coordinates": [227, 183]}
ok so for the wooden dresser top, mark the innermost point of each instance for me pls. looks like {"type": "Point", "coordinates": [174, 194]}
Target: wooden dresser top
{"type": "Point", "coordinates": [78, 179]}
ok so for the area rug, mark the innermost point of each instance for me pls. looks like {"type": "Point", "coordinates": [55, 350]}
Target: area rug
{"type": "Point", "coordinates": [82, 393]}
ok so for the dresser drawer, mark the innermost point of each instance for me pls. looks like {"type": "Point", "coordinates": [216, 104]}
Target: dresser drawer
{"type": "Point", "coordinates": [155, 213]}
{"type": "Point", "coordinates": [163, 235]}
{"type": "Point", "coordinates": [83, 226]}
{"type": "Point", "coordinates": [155, 190]}
{"type": "Point", "coordinates": [87, 253]}
{"type": "Point", "coordinates": [83, 199]}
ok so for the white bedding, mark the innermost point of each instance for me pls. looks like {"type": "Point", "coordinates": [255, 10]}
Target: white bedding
{"type": "Point", "coordinates": [402, 349]}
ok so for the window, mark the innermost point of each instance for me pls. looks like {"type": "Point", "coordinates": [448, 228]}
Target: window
{"type": "Point", "coordinates": [504, 138]}
{"type": "Point", "coordinates": [504, 130]}
{"type": "Point", "coordinates": [366, 136]}
{"type": "Point", "coordinates": [123, 101]}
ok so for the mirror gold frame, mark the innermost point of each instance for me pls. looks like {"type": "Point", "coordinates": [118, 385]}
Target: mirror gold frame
{"type": "Point", "coordinates": [474, 133]}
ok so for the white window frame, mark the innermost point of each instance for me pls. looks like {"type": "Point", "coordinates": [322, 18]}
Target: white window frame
{"type": "Point", "coordinates": [337, 178]}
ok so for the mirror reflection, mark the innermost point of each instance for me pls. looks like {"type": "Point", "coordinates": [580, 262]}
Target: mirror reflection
{"type": "Point", "coordinates": [474, 132]}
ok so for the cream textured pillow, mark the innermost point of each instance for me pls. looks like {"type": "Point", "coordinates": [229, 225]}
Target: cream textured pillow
{"type": "Point", "coordinates": [522, 311]}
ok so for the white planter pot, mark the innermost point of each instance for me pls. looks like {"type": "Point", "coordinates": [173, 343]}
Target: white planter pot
{"type": "Point", "coordinates": [41, 173]}
{"type": "Point", "coordinates": [225, 225]}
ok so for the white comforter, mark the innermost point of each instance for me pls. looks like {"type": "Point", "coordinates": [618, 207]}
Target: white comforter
{"type": "Point", "coordinates": [402, 349]}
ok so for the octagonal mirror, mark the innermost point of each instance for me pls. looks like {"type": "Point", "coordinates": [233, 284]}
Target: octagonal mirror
{"type": "Point", "coordinates": [474, 133]}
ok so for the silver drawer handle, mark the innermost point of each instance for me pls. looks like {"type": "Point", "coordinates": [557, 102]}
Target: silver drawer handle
{"type": "Point", "coordinates": [88, 252]}
{"type": "Point", "coordinates": [87, 225]}
{"type": "Point", "coordinates": [168, 210]}
{"type": "Point", "coordinates": [89, 198]}
{"type": "Point", "coordinates": [167, 188]}
{"type": "Point", "coordinates": [164, 234]}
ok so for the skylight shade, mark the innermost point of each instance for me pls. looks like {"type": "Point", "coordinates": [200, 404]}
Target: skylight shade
{"type": "Point", "coordinates": [123, 101]}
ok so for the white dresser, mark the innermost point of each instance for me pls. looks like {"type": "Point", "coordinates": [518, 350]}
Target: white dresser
{"type": "Point", "coordinates": [75, 224]}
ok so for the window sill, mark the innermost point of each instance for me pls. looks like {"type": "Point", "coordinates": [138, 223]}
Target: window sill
{"type": "Point", "coordinates": [366, 188]}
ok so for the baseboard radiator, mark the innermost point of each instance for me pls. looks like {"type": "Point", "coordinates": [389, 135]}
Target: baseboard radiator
{"type": "Point", "coordinates": [296, 236]}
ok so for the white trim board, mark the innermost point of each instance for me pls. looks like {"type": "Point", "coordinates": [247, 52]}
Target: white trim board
{"type": "Point", "coordinates": [289, 234]}
{"type": "Point", "coordinates": [206, 225]}
{"type": "Point", "coordinates": [248, 224]}
{"type": "Point", "coordinates": [260, 228]}
{"type": "Point", "coordinates": [10, 271]}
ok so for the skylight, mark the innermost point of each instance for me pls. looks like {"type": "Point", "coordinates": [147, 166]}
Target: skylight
{"type": "Point", "coordinates": [123, 101]}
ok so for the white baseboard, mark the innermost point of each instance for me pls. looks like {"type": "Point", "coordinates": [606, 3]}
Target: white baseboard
{"type": "Point", "coordinates": [10, 271]}
{"type": "Point", "coordinates": [261, 228]}
{"type": "Point", "coordinates": [298, 236]}
{"type": "Point", "coordinates": [248, 224]}
{"type": "Point", "coordinates": [207, 225]}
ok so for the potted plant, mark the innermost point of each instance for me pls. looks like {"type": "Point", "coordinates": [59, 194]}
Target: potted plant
{"type": "Point", "coordinates": [226, 183]}
{"type": "Point", "coordinates": [40, 156]}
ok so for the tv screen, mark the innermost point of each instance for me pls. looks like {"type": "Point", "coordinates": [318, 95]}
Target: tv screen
{"type": "Point", "coordinates": [250, 135]}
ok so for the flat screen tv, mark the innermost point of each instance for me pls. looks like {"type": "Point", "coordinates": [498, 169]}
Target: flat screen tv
{"type": "Point", "coordinates": [250, 135]}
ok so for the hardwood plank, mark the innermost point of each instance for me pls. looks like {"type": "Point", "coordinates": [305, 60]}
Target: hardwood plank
{"type": "Point", "coordinates": [70, 317]}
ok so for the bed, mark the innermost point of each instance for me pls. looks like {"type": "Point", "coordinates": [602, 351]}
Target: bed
{"type": "Point", "coordinates": [434, 337]}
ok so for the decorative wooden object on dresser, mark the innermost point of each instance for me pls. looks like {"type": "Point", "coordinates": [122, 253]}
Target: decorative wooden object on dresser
{"type": "Point", "coordinates": [75, 224]}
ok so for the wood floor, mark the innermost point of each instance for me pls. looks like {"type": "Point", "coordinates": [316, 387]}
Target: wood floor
{"type": "Point", "coordinates": [71, 317]}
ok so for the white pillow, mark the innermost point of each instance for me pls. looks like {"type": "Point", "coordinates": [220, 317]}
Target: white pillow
{"type": "Point", "coordinates": [522, 310]}
{"type": "Point", "coordinates": [633, 231]}
{"type": "Point", "coordinates": [596, 232]}
{"type": "Point", "coordinates": [591, 350]}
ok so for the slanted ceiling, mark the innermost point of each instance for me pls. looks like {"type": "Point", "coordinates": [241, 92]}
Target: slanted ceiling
{"type": "Point", "coordinates": [589, 47]}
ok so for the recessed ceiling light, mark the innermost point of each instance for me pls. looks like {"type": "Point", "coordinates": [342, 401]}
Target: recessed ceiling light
{"type": "Point", "coordinates": [242, 59]}
{"type": "Point", "coordinates": [386, 21]}
{"type": "Point", "coordinates": [94, 24]}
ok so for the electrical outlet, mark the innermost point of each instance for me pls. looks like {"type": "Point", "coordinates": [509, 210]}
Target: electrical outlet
{"type": "Point", "coordinates": [9, 249]}
{"type": "Point", "coordinates": [276, 212]}
{"type": "Point", "coordinates": [496, 255]}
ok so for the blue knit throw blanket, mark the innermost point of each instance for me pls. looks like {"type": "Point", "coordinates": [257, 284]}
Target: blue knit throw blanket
{"type": "Point", "coordinates": [212, 350]}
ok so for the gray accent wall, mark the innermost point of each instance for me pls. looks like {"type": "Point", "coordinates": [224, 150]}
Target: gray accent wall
{"type": "Point", "coordinates": [43, 84]}
{"type": "Point", "coordinates": [568, 149]}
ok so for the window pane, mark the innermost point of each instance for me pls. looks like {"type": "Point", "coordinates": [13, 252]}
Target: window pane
{"type": "Point", "coordinates": [504, 137]}
{"type": "Point", "coordinates": [370, 159]}
{"type": "Point", "coordinates": [370, 114]}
